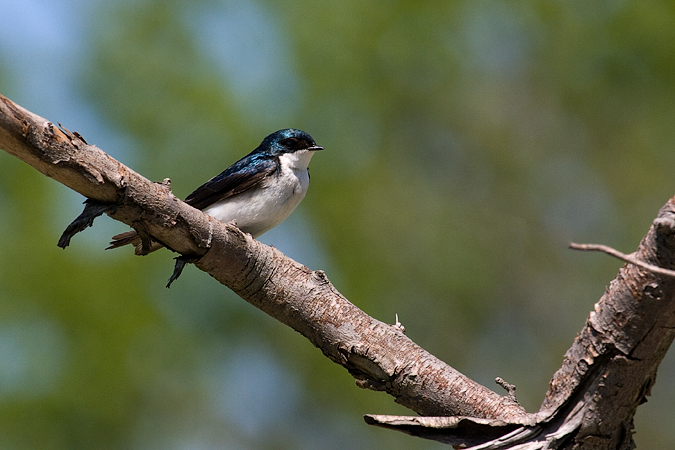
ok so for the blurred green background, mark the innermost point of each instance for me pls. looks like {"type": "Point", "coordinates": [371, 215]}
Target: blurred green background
{"type": "Point", "coordinates": [467, 142]}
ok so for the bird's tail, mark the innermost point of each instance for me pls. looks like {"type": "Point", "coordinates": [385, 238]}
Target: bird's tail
{"type": "Point", "coordinates": [131, 237]}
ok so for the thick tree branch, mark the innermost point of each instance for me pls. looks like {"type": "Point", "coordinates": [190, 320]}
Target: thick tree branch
{"type": "Point", "coordinates": [378, 355]}
{"type": "Point", "coordinates": [627, 335]}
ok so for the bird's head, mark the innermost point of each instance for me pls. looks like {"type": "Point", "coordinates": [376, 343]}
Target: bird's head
{"type": "Point", "coordinates": [288, 140]}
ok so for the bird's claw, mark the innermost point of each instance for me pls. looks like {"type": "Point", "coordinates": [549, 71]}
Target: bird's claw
{"type": "Point", "coordinates": [181, 261]}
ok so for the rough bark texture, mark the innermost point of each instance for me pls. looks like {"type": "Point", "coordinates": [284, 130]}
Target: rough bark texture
{"type": "Point", "coordinates": [627, 336]}
{"type": "Point", "coordinates": [606, 374]}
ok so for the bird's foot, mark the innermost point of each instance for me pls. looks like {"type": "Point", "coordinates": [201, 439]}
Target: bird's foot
{"type": "Point", "coordinates": [181, 261]}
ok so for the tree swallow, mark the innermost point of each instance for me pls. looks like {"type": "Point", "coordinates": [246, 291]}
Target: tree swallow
{"type": "Point", "coordinates": [259, 191]}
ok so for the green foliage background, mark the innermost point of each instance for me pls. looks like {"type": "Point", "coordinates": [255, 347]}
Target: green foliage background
{"type": "Point", "coordinates": [467, 142]}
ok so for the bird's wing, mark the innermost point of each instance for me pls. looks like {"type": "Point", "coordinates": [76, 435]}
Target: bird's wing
{"type": "Point", "coordinates": [239, 177]}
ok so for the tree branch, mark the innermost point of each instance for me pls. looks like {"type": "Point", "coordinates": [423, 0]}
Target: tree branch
{"type": "Point", "coordinates": [378, 355]}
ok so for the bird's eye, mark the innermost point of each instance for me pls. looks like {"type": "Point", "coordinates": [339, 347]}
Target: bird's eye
{"type": "Point", "coordinates": [290, 143]}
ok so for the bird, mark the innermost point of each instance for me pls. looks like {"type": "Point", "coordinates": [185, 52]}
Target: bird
{"type": "Point", "coordinates": [259, 191]}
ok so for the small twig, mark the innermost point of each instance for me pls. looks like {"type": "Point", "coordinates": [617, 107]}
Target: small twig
{"type": "Point", "coordinates": [622, 256]}
{"type": "Point", "coordinates": [399, 325]}
{"type": "Point", "coordinates": [508, 387]}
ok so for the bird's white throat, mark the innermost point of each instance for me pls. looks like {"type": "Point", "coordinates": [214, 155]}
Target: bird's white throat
{"type": "Point", "coordinates": [297, 160]}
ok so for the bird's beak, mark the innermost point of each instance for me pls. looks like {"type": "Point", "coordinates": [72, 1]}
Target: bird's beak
{"type": "Point", "coordinates": [314, 148]}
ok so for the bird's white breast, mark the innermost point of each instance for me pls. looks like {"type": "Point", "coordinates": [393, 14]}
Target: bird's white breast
{"type": "Point", "coordinates": [266, 206]}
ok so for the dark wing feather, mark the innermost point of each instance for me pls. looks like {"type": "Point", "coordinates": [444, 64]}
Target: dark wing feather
{"type": "Point", "coordinates": [246, 173]}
